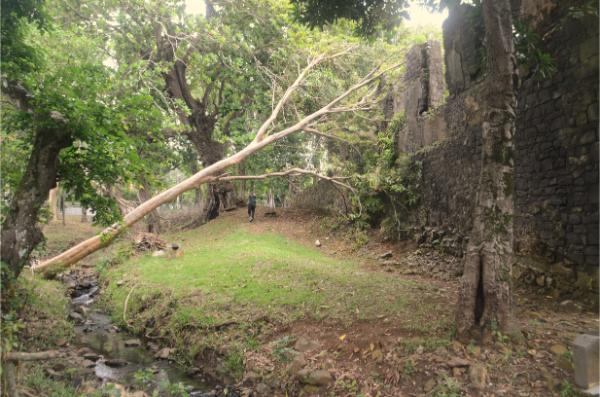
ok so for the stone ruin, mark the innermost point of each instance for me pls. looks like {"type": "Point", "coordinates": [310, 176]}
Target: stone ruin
{"type": "Point", "coordinates": [556, 163]}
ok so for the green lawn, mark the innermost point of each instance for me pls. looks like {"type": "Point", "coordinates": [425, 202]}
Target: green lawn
{"type": "Point", "coordinates": [231, 272]}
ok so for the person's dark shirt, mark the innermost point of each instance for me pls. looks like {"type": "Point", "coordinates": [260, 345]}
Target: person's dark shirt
{"type": "Point", "coordinates": [252, 200]}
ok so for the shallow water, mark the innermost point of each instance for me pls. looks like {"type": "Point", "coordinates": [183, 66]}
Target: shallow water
{"type": "Point", "coordinates": [119, 363]}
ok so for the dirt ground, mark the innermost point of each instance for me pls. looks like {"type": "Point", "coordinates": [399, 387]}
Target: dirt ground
{"type": "Point", "coordinates": [389, 357]}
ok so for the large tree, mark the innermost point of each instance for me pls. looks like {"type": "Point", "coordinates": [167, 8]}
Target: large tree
{"type": "Point", "coordinates": [485, 298]}
{"type": "Point", "coordinates": [65, 118]}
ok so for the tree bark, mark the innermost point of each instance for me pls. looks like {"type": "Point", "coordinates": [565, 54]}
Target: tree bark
{"type": "Point", "coordinates": [201, 124]}
{"type": "Point", "coordinates": [52, 201]}
{"type": "Point", "coordinates": [153, 224]}
{"type": "Point", "coordinates": [20, 233]}
{"type": "Point", "coordinates": [485, 296]}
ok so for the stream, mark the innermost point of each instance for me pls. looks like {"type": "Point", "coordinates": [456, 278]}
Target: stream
{"type": "Point", "coordinates": [117, 356]}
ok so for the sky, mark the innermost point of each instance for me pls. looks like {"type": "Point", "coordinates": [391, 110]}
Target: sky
{"type": "Point", "coordinates": [419, 16]}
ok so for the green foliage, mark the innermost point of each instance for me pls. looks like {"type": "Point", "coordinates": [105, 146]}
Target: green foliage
{"type": "Point", "coordinates": [282, 350]}
{"type": "Point", "coordinates": [409, 368]}
{"type": "Point", "coordinates": [371, 16]}
{"type": "Point", "coordinates": [234, 364]}
{"type": "Point", "coordinates": [529, 52]}
{"type": "Point", "coordinates": [143, 377]}
{"type": "Point", "coordinates": [37, 380]}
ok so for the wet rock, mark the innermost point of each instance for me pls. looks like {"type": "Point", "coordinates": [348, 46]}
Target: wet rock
{"type": "Point", "coordinates": [319, 377]}
{"type": "Point", "coordinates": [478, 376]}
{"type": "Point", "coordinates": [83, 310]}
{"type": "Point", "coordinates": [193, 371]}
{"type": "Point", "coordinates": [115, 363]}
{"type": "Point", "coordinates": [304, 344]}
{"type": "Point", "coordinates": [75, 316]}
{"type": "Point", "coordinates": [82, 300]}
{"type": "Point", "coordinates": [133, 342]}
{"type": "Point", "coordinates": [164, 353]}
{"type": "Point", "coordinates": [386, 255]}
{"type": "Point", "coordinates": [88, 363]}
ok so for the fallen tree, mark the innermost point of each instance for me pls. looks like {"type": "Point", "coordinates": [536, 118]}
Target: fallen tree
{"type": "Point", "coordinates": [262, 138]}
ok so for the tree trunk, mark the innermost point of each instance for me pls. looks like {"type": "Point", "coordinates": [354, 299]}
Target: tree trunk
{"type": "Point", "coordinates": [485, 297]}
{"type": "Point", "coordinates": [20, 233]}
{"type": "Point", "coordinates": [52, 201]}
{"type": "Point", "coordinates": [201, 124]}
{"type": "Point", "coordinates": [153, 219]}
{"type": "Point", "coordinates": [84, 218]}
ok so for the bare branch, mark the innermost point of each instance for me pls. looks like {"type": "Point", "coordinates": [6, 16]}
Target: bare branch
{"type": "Point", "coordinates": [291, 172]}
{"type": "Point", "coordinates": [205, 175]}
{"type": "Point", "coordinates": [23, 356]}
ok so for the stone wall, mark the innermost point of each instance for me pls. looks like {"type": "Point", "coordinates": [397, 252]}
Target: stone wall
{"type": "Point", "coordinates": [556, 166]}
{"type": "Point", "coordinates": [421, 93]}
{"type": "Point", "coordinates": [556, 163]}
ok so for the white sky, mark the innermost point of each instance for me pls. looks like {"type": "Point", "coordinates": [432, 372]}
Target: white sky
{"type": "Point", "coordinates": [419, 16]}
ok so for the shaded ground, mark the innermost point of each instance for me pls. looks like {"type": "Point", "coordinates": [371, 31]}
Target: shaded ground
{"type": "Point", "coordinates": [260, 303]}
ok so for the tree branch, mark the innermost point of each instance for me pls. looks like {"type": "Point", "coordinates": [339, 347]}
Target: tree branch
{"type": "Point", "coordinates": [291, 172]}
{"type": "Point", "coordinates": [207, 174]}
{"type": "Point", "coordinates": [23, 356]}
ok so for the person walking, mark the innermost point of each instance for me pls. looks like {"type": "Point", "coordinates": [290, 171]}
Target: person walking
{"type": "Point", "coordinates": [251, 206]}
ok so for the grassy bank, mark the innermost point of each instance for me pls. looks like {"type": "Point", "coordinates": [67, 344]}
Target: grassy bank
{"type": "Point", "coordinates": [246, 281]}
{"type": "Point", "coordinates": [39, 322]}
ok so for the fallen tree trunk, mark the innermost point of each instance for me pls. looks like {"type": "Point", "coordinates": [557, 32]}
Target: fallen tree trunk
{"type": "Point", "coordinates": [207, 174]}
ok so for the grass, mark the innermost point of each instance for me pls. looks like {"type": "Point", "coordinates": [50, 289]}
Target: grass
{"type": "Point", "coordinates": [237, 278]}
{"type": "Point", "coordinates": [36, 320]}
{"type": "Point", "coordinates": [229, 272]}
{"type": "Point", "coordinates": [60, 237]}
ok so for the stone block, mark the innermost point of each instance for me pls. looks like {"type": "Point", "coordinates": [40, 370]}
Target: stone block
{"type": "Point", "coordinates": [585, 358]}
